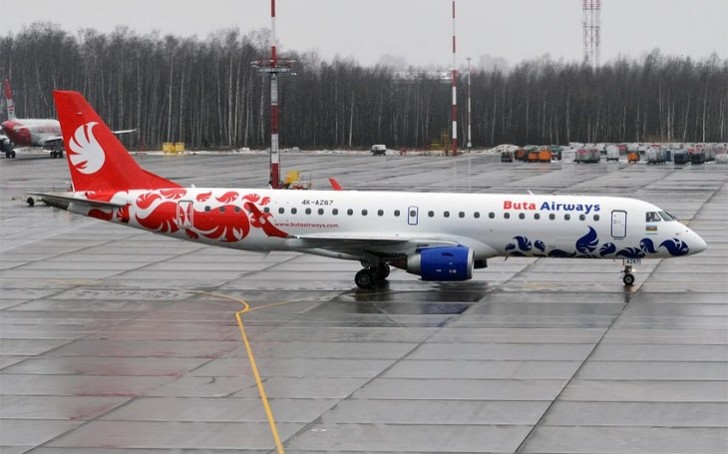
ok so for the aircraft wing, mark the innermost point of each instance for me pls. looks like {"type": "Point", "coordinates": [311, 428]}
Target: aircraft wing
{"type": "Point", "coordinates": [50, 140]}
{"type": "Point", "coordinates": [47, 141]}
{"type": "Point", "coordinates": [383, 245]}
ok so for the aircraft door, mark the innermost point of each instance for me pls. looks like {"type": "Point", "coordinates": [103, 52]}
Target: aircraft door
{"type": "Point", "coordinates": [185, 214]}
{"type": "Point", "coordinates": [412, 215]}
{"type": "Point", "coordinates": [619, 224]}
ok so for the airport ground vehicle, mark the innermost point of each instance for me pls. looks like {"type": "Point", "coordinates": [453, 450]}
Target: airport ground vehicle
{"type": "Point", "coordinates": [379, 150]}
{"type": "Point", "coordinates": [506, 156]}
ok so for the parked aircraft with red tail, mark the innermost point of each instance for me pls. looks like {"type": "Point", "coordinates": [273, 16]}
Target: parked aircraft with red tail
{"type": "Point", "coordinates": [438, 236]}
{"type": "Point", "coordinates": [32, 132]}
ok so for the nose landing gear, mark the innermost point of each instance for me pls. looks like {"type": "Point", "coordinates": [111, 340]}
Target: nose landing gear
{"type": "Point", "coordinates": [628, 276]}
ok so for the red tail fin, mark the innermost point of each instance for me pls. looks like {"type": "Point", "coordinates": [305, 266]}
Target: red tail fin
{"type": "Point", "coordinates": [96, 158]}
{"type": "Point", "coordinates": [9, 103]}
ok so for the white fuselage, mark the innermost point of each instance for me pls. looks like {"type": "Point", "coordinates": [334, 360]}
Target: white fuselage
{"type": "Point", "coordinates": [30, 132]}
{"type": "Point", "coordinates": [351, 224]}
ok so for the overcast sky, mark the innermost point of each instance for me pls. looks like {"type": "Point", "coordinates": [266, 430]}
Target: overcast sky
{"type": "Point", "coordinates": [418, 30]}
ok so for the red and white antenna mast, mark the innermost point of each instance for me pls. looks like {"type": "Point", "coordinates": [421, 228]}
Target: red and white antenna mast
{"type": "Point", "coordinates": [273, 66]}
{"type": "Point", "coordinates": [470, 114]}
{"type": "Point", "coordinates": [454, 139]}
{"type": "Point", "coordinates": [592, 38]}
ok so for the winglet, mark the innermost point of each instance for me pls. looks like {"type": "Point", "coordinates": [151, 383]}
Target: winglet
{"type": "Point", "coordinates": [96, 159]}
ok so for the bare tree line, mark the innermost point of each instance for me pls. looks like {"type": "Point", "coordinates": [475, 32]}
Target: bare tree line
{"type": "Point", "coordinates": [206, 93]}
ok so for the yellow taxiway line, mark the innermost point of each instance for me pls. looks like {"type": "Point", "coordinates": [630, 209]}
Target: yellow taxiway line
{"type": "Point", "coordinates": [254, 366]}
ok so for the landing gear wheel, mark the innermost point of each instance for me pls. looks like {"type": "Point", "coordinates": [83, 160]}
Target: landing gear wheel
{"type": "Point", "coordinates": [628, 279]}
{"type": "Point", "coordinates": [53, 154]}
{"type": "Point", "coordinates": [365, 278]}
{"type": "Point", "coordinates": [383, 271]}
{"type": "Point", "coordinates": [12, 153]}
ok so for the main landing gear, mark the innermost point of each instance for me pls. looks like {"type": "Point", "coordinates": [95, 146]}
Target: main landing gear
{"type": "Point", "coordinates": [56, 152]}
{"type": "Point", "coordinates": [370, 276]}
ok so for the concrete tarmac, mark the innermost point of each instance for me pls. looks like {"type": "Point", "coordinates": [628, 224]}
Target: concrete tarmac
{"type": "Point", "coordinates": [115, 340]}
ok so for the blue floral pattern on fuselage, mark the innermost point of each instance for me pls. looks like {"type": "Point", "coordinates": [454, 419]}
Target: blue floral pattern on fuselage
{"type": "Point", "coordinates": [588, 247]}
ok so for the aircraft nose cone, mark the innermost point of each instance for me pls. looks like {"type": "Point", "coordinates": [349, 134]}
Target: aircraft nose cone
{"type": "Point", "coordinates": [699, 244]}
{"type": "Point", "coordinates": [695, 242]}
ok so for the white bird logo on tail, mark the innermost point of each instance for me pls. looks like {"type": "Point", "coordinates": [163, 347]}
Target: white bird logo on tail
{"type": "Point", "coordinates": [88, 156]}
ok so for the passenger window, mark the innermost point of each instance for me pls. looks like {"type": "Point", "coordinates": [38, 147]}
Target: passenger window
{"type": "Point", "coordinates": [446, 214]}
{"type": "Point", "coordinates": [396, 213]}
{"type": "Point", "coordinates": [521, 215]}
{"type": "Point", "coordinates": [364, 212]}
{"type": "Point", "coordinates": [651, 216]}
{"type": "Point", "coordinates": [491, 215]}
{"type": "Point", "coordinates": [222, 209]}
{"type": "Point", "coordinates": [596, 217]}
{"type": "Point", "coordinates": [380, 212]}
{"type": "Point", "coordinates": [567, 217]}
{"type": "Point", "coordinates": [281, 210]}
{"type": "Point", "coordinates": [552, 216]}
{"type": "Point", "coordinates": [582, 217]}
{"type": "Point", "coordinates": [320, 211]}
{"type": "Point", "coordinates": [506, 215]}
{"type": "Point", "coordinates": [294, 210]}
{"type": "Point", "coordinates": [349, 211]}
{"type": "Point", "coordinates": [461, 214]}
{"type": "Point", "coordinates": [335, 211]}
{"type": "Point", "coordinates": [308, 210]}
{"type": "Point", "coordinates": [476, 215]}
{"type": "Point", "coordinates": [265, 210]}
{"type": "Point", "coordinates": [536, 216]}
{"type": "Point", "coordinates": [429, 214]}
{"type": "Point", "coordinates": [207, 208]}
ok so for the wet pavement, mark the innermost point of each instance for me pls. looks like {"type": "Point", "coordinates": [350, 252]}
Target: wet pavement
{"type": "Point", "coordinates": [119, 341]}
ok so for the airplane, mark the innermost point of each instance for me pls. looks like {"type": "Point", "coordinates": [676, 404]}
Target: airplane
{"type": "Point", "coordinates": [32, 132]}
{"type": "Point", "coordinates": [438, 236]}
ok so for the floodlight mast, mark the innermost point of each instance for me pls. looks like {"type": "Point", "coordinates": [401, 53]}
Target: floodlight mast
{"type": "Point", "coordinates": [274, 66]}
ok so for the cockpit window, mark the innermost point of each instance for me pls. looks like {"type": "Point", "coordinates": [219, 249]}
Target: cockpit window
{"type": "Point", "coordinates": [667, 216]}
{"type": "Point", "coordinates": [652, 217]}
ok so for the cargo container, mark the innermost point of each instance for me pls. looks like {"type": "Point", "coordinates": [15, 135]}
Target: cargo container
{"type": "Point", "coordinates": [697, 156]}
{"type": "Point", "coordinates": [612, 153]}
{"type": "Point", "coordinates": [655, 155]}
{"type": "Point", "coordinates": [533, 156]}
{"type": "Point", "coordinates": [587, 156]}
{"type": "Point", "coordinates": [680, 157]}
{"type": "Point", "coordinates": [556, 152]}
{"type": "Point", "coordinates": [520, 155]}
{"type": "Point", "coordinates": [544, 155]}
